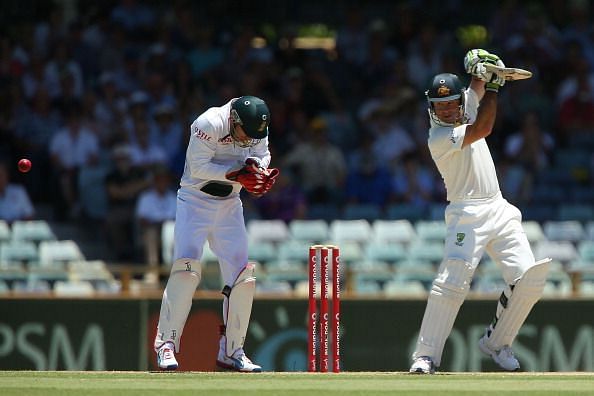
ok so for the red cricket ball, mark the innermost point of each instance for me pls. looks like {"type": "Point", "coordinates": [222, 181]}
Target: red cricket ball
{"type": "Point", "coordinates": [24, 165]}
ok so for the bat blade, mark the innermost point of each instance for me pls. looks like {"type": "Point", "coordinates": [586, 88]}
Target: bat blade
{"type": "Point", "coordinates": [509, 73]}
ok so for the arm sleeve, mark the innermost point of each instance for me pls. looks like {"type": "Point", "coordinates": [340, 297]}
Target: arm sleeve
{"type": "Point", "coordinates": [446, 140]}
{"type": "Point", "coordinates": [201, 150]}
{"type": "Point", "coordinates": [261, 153]}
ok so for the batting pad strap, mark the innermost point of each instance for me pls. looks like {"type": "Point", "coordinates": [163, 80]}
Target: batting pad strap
{"type": "Point", "coordinates": [447, 294]}
{"type": "Point", "coordinates": [515, 304]}
{"type": "Point", "coordinates": [239, 298]}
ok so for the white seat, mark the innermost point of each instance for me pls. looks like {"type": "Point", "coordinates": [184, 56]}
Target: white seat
{"type": "Point", "coordinates": [89, 270]}
{"type": "Point", "coordinates": [314, 231]}
{"type": "Point", "coordinates": [350, 231]}
{"type": "Point", "coordinates": [571, 230]}
{"type": "Point", "coordinates": [400, 231]}
{"type": "Point", "coordinates": [5, 233]}
{"type": "Point", "coordinates": [267, 230]}
{"type": "Point", "coordinates": [431, 230]}
{"type": "Point", "coordinates": [32, 230]}
{"type": "Point", "coordinates": [564, 252]}
{"type": "Point", "coordinates": [586, 251]}
{"type": "Point", "coordinates": [412, 288]}
{"type": "Point", "coordinates": [167, 241]}
{"type": "Point", "coordinates": [18, 251]}
{"type": "Point", "coordinates": [262, 251]}
{"type": "Point", "coordinates": [51, 252]}
{"type": "Point", "coordinates": [294, 251]}
{"type": "Point", "coordinates": [429, 251]}
{"type": "Point", "coordinates": [389, 252]}
{"type": "Point", "coordinates": [590, 231]}
{"type": "Point", "coordinates": [73, 288]}
{"type": "Point", "coordinates": [534, 231]}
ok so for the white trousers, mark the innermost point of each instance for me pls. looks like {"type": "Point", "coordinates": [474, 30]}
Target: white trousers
{"type": "Point", "coordinates": [493, 226]}
{"type": "Point", "coordinates": [218, 221]}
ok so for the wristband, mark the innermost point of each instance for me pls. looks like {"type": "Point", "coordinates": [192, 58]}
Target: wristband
{"type": "Point", "coordinates": [492, 87]}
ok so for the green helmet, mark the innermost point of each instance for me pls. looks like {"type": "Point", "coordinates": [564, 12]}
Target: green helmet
{"type": "Point", "coordinates": [252, 114]}
{"type": "Point", "coordinates": [445, 87]}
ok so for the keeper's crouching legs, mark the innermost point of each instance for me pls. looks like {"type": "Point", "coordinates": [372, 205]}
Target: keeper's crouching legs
{"type": "Point", "coordinates": [447, 295]}
{"type": "Point", "coordinates": [237, 309]}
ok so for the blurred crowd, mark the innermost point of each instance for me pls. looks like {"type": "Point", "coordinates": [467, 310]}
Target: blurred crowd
{"type": "Point", "coordinates": [100, 96]}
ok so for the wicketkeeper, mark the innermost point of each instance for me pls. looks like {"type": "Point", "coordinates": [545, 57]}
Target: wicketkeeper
{"type": "Point", "coordinates": [478, 218]}
{"type": "Point", "coordinates": [228, 151]}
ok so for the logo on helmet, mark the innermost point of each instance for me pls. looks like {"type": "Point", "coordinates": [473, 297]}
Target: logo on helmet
{"type": "Point", "coordinates": [443, 91]}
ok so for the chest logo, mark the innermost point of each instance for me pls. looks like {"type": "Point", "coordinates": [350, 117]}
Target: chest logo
{"type": "Point", "coordinates": [460, 238]}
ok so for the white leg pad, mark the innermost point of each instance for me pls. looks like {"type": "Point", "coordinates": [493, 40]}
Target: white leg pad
{"type": "Point", "coordinates": [515, 304]}
{"type": "Point", "coordinates": [447, 295]}
{"type": "Point", "coordinates": [238, 302]}
{"type": "Point", "coordinates": [177, 301]}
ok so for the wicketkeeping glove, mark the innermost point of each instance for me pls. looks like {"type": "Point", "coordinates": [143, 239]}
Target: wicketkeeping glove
{"type": "Point", "coordinates": [255, 179]}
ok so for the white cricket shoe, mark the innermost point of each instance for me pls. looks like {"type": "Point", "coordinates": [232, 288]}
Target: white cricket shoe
{"type": "Point", "coordinates": [504, 357]}
{"type": "Point", "coordinates": [238, 362]}
{"type": "Point", "coordinates": [166, 357]}
{"type": "Point", "coordinates": [422, 365]}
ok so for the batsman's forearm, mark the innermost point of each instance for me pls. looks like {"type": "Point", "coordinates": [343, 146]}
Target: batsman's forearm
{"type": "Point", "coordinates": [485, 119]}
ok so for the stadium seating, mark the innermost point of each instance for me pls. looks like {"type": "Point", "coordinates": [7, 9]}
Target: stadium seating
{"type": "Point", "coordinates": [571, 230]}
{"type": "Point", "coordinates": [389, 252]}
{"type": "Point", "coordinates": [267, 230]}
{"type": "Point", "coordinates": [350, 230]}
{"type": "Point", "coordinates": [5, 233]}
{"type": "Point", "coordinates": [399, 231]}
{"type": "Point", "coordinates": [52, 253]}
{"type": "Point", "coordinates": [562, 251]}
{"type": "Point", "coordinates": [32, 230]}
{"type": "Point", "coordinates": [73, 289]}
{"type": "Point", "coordinates": [313, 231]}
{"type": "Point", "coordinates": [167, 241]}
{"type": "Point", "coordinates": [367, 212]}
{"type": "Point", "coordinates": [262, 252]}
{"type": "Point", "coordinates": [533, 231]}
{"type": "Point", "coordinates": [431, 230]}
{"type": "Point", "coordinates": [18, 251]}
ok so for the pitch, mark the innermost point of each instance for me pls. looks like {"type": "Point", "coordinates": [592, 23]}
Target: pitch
{"type": "Point", "coordinates": [66, 383]}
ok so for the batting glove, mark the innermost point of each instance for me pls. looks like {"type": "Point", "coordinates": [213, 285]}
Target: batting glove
{"type": "Point", "coordinates": [474, 61]}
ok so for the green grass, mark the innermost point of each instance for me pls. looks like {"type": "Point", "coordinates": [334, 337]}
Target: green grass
{"type": "Point", "coordinates": [66, 383]}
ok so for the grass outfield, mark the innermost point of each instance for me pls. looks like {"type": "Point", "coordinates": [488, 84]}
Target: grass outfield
{"type": "Point", "coordinates": [52, 383]}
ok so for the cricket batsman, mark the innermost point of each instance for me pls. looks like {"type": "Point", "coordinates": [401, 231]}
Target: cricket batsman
{"type": "Point", "coordinates": [478, 218]}
{"type": "Point", "coordinates": [227, 151]}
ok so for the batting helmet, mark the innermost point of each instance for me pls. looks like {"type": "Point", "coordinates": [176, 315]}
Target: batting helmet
{"type": "Point", "coordinates": [252, 114]}
{"type": "Point", "coordinates": [445, 87]}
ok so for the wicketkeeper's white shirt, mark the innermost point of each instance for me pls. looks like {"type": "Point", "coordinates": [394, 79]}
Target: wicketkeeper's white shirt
{"type": "Point", "coordinates": [468, 173]}
{"type": "Point", "coordinates": [211, 151]}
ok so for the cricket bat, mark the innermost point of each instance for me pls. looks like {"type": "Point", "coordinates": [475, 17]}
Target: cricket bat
{"type": "Point", "coordinates": [509, 73]}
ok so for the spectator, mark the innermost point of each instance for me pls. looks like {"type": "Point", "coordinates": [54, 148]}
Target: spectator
{"type": "Point", "coordinates": [146, 153]}
{"type": "Point", "coordinates": [14, 200]}
{"type": "Point", "coordinates": [167, 131]}
{"type": "Point", "coordinates": [154, 206]}
{"type": "Point", "coordinates": [71, 148]}
{"type": "Point", "coordinates": [286, 201]}
{"type": "Point", "coordinates": [414, 182]}
{"type": "Point", "coordinates": [124, 184]}
{"type": "Point", "coordinates": [320, 166]}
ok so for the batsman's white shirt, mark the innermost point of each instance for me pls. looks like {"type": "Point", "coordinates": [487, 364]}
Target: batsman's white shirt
{"type": "Point", "coordinates": [211, 153]}
{"type": "Point", "coordinates": [478, 219]}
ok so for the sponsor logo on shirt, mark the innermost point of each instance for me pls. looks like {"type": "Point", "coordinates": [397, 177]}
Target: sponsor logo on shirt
{"type": "Point", "coordinates": [226, 139]}
{"type": "Point", "coordinates": [201, 135]}
{"type": "Point", "coordinates": [452, 137]}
